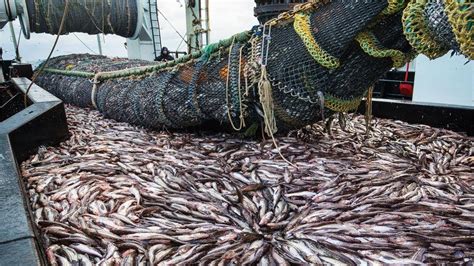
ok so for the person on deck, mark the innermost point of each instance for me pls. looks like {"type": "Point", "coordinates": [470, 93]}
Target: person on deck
{"type": "Point", "coordinates": [165, 55]}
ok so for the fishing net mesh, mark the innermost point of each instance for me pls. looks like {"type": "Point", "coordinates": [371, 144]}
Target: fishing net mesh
{"type": "Point", "coordinates": [319, 59]}
{"type": "Point", "coordinates": [438, 25]}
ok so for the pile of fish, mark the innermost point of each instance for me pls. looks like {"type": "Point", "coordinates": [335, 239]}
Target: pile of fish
{"type": "Point", "coordinates": [118, 194]}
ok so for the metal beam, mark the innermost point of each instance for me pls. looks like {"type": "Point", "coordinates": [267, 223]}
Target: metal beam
{"type": "Point", "coordinates": [197, 24]}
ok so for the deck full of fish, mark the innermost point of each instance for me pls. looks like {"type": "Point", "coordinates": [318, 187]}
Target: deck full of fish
{"type": "Point", "coordinates": [115, 194]}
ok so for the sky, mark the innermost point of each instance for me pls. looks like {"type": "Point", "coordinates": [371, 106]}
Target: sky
{"type": "Point", "coordinates": [227, 17]}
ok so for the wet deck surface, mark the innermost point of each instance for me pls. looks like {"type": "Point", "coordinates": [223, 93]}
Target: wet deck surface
{"type": "Point", "coordinates": [117, 193]}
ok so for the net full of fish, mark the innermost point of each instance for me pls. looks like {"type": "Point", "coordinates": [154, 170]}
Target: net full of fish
{"type": "Point", "coordinates": [119, 194]}
{"type": "Point", "coordinates": [300, 68]}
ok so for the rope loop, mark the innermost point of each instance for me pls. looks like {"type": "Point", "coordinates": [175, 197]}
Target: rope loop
{"type": "Point", "coordinates": [241, 108]}
{"type": "Point", "coordinates": [337, 104]}
{"type": "Point", "coordinates": [393, 7]}
{"type": "Point", "coordinates": [95, 86]}
{"type": "Point", "coordinates": [370, 45]}
{"type": "Point", "coordinates": [417, 33]}
{"type": "Point", "coordinates": [461, 18]}
{"type": "Point", "coordinates": [302, 26]}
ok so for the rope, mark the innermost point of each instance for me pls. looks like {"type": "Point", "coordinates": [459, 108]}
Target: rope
{"type": "Point", "coordinates": [9, 100]}
{"type": "Point", "coordinates": [102, 15]}
{"type": "Point", "coordinates": [171, 24]}
{"type": "Point", "coordinates": [83, 43]}
{"type": "Point", "coordinates": [95, 83]}
{"type": "Point", "coordinates": [289, 16]}
{"type": "Point", "coordinates": [370, 45]}
{"type": "Point", "coordinates": [393, 7]}
{"type": "Point", "coordinates": [70, 73]}
{"type": "Point", "coordinates": [266, 99]}
{"type": "Point", "coordinates": [341, 105]}
{"type": "Point", "coordinates": [417, 32]}
{"type": "Point", "coordinates": [264, 85]}
{"type": "Point", "coordinates": [368, 109]}
{"type": "Point", "coordinates": [302, 25]}
{"type": "Point", "coordinates": [265, 91]}
{"type": "Point", "coordinates": [35, 76]}
{"type": "Point", "coordinates": [242, 118]}
{"type": "Point", "coordinates": [17, 46]}
{"type": "Point", "coordinates": [460, 16]}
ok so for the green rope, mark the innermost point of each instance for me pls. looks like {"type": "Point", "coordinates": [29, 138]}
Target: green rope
{"type": "Point", "coordinates": [207, 52]}
{"type": "Point", "coordinates": [71, 73]}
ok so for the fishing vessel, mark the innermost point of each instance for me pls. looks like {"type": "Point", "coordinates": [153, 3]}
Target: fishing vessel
{"type": "Point", "coordinates": [335, 132]}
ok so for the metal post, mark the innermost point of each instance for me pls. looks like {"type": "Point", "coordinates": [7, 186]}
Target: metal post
{"type": "Point", "coordinates": [207, 23]}
{"type": "Point", "coordinates": [194, 25]}
{"type": "Point", "coordinates": [2, 79]}
{"type": "Point", "coordinates": [15, 43]}
{"type": "Point", "coordinates": [99, 43]}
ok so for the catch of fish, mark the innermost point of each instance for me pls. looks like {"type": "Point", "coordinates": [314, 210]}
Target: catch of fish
{"type": "Point", "coordinates": [116, 194]}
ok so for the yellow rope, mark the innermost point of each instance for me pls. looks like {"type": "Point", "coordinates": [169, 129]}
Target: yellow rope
{"type": "Point", "coordinates": [341, 105]}
{"type": "Point", "coordinates": [288, 16]}
{"type": "Point", "coordinates": [393, 7]}
{"type": "Point", "coordinates": [416, 30]}
{"type": "Point", "coordinates": [369, 43]}
{"type": "Point", "coordinates": [266, 99]}
{"type": "Point", "coordinates": [460, 16]}
{"type": "Point", "coordinates": [302, 25]}
{"type": "Point", "coordinates": [265, 92]}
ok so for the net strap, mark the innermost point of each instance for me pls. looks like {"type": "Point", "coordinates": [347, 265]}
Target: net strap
{"type": "Point", "coordinates": [241, 108]}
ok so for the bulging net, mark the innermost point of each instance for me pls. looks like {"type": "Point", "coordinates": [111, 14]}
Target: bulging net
{"type": "Point", "coordinates": [304, 66]}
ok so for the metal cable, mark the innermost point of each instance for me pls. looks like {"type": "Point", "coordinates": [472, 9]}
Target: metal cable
{"type": "Point", "coordinates": [63, 20]}
{"type": "Point", "coordinates": [172, 26]}
{"type": "Point", "coordinates": [84, 44]}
